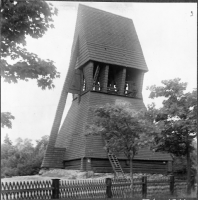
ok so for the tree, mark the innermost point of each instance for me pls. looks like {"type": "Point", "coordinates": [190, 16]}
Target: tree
{"type": "Point", "coordinates": [20, 19]}
{"type": "Point", "coordinates": [177, 119]}
{"type": "Point", "coordinates": [125, 129]}
{"type": "Point", "coordinates": [8, 160]}
{"type": "Point", "coordinates": [41, 144]}
{"type": "Point", "coordinates": [7, 140]}
{"type": "Point", "coordinates": [6, 118]}
{"type": "Point", "coordinates": [22, 158]}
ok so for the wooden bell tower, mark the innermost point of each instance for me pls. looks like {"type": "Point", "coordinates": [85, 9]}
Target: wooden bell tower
{"type": "Point", "coordinates": [107, 66]}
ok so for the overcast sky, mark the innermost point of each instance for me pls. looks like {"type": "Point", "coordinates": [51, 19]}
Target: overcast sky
{"type": "Point", "coordinates": [167, 34]}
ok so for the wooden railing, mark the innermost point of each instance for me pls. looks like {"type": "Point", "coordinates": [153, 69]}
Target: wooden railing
{"type": "Point", "coordinates": [89, 189]}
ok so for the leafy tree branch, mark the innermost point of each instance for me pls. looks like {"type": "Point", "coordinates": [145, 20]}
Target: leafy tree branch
{"type": "Point", "coordinates": [6, 118]}
{"type": "Point", "coordinates": [19, 20]}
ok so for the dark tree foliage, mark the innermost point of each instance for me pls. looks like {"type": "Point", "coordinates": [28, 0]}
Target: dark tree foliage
{"type": "Point", "coordinates": [177, 119]}
{"type": "Point", "coordinates": [6, 118]}
{"type": "Point", "coordinates": [22, 158]}
{"type": "Point", "coordinates": [18, 20]}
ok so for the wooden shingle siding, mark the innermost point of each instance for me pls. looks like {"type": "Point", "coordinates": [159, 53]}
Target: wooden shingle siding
{"type": "Point", "coordinates": [73, 164]}
{"type": "Point", "coordinates": [65, 134]}
{"type": "Point", "coordinates": [114, 56]}
{"type": "Point", "coordinates": [95, 147]}
{"type": "Point", "coordinates": [71, 135]}
{"type": "Point", "coordinates": [97, 98]}
{"type": "Point", "coordinates": [104, 27]}
{"type": "Point", "coordinates": [113, 49]}
{"type": "Point", "coordinates": [146, 154]}
{"type": "Point", "coordinates": [139, 166]}
{"type": "Point", "coordinates": [107, 38]}
{"type": "Point", "coordinates": [54, 158]}
{"type": "Point", "coordinates": [84, 55]}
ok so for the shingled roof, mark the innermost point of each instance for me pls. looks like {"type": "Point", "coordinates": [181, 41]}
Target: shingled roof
{"type": "Point", "coordinates": [105, 37]}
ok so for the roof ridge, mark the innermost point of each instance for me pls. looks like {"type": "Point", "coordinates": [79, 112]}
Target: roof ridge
{"type": "Point", "coordinates": [89, 7]}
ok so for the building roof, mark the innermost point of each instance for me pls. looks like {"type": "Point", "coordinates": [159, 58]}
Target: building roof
{"type": "Point", "coordinates": [105, 37]}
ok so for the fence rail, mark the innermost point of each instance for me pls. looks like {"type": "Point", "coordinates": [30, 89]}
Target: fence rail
{"type": "Point", "coordinates": [89, 189]}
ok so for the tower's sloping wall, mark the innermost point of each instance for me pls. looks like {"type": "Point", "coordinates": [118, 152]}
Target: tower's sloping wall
{"type": "Point", "coordinates": [71, 134]}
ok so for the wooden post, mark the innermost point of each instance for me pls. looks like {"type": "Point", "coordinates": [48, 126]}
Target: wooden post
{"type": "Point", "coordinates": [120, 80]}
{"type": "Point", "coordinates": [55, 188]}
{"type": "Point", "coordinates": [108, 187]}
{"type": "Point", "coordinates": [88, 164]}
{"type": "Point", "coordinates": [144, 187]}
{"type": "Point", "coordinates": [88, 75]}
{"type": "Point", "coordinates": [123, 80]}
{"type": "Point", "coordinates": [192, 183]}
{"type": "Point", "coordinates": [139, 84]}
{"type": "Point", "coordinates": [172, 183]}
{"type": "Point", "coordinates": [82, 164]}
{"type": "Point", "coordinates": [170, 166]}
{"type": "Point", "coordinates": [131, 172]}
{"type": "Point", "coordinates": [104, 77]}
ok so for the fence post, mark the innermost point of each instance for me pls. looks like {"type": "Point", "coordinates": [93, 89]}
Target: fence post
{"type": "Point", "coordinates": [172, 183]}
{"type": "Point", "coordinates": [55, 188]}
{"type": "Point", "coordinates": [144, 187]}
{"type": "Point", "coordinates": [108, 182]}
{"type": "Point", "coordinates": [192, 182]}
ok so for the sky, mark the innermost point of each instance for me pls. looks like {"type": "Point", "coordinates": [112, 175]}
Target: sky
{"type": "Point", "coordinates": [168, 37]}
